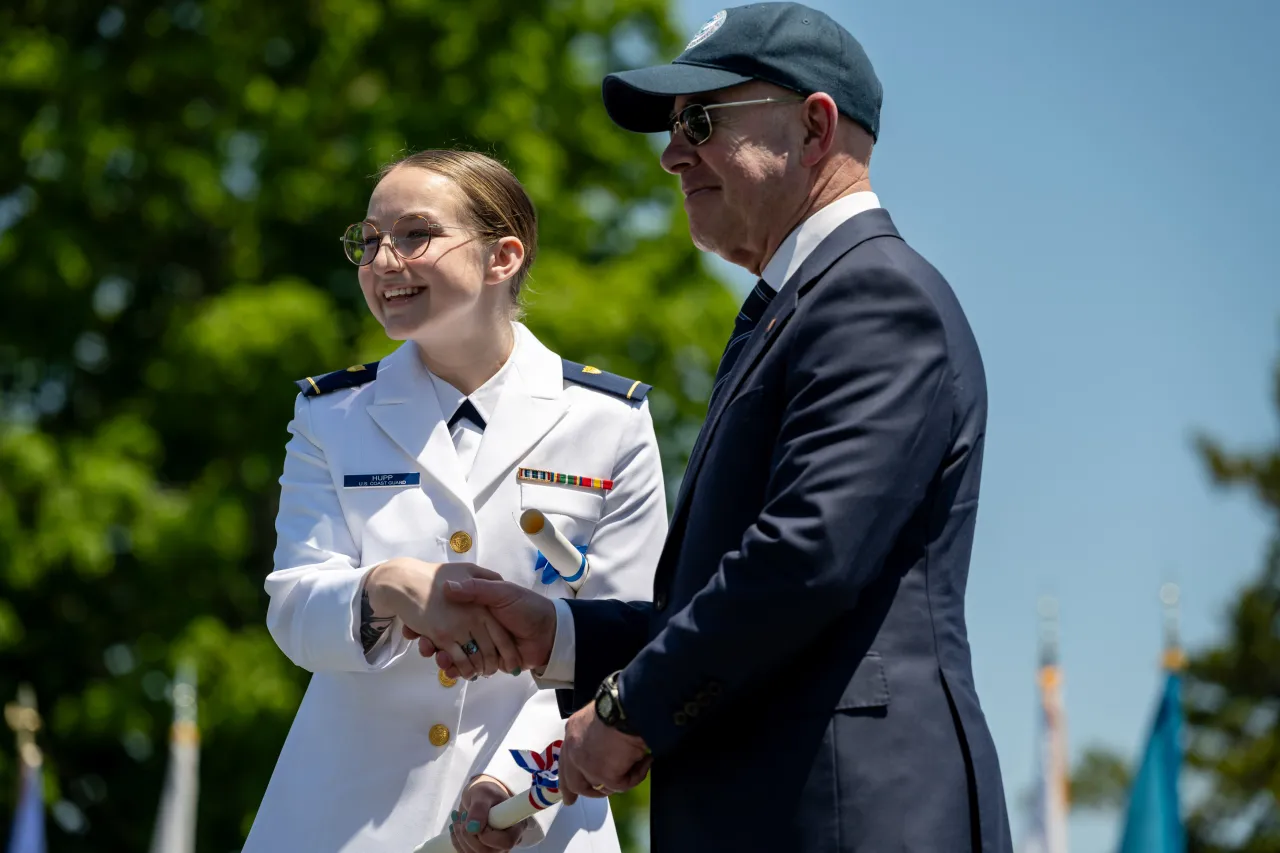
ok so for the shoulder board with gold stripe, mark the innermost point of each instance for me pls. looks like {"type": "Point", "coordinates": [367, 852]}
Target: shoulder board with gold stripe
{"type": "Point", "coordinates": [609, 383]}
{"type": "Point", "coordinates": [356, 374]}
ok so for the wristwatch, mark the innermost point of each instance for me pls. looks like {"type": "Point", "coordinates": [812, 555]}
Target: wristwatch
{"type": "Point", "coordinates": [609, 705]}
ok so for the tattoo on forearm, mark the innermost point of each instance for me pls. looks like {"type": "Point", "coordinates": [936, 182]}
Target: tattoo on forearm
{"type": "Point", "coordinates": [371, 627]}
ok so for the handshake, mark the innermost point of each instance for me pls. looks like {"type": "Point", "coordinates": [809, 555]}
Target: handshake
{"type": "Point", "coordinates": [468, 617]}
{"type": "Point", "coordinates": [475, 624]}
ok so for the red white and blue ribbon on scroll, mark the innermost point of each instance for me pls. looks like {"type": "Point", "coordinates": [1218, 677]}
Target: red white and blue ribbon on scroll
{"type": "Point", "coordinates": [545, 768]}
{"type": "Point", "coordinates": [549, 574]}
{"type": "Point", "coordinates": [544, 792]}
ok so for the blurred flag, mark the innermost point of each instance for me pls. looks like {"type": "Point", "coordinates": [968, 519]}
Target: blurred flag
{"type": "Point", "coordinates": [27, 833]}
{"type": "Point", "coordinates": [28, 819]}
{"type": "Point", "coordinates": [1153, 821]}
{"type": "Point", "coordinates": [175, 830]}
{"type": "Point", "coordinates": [1047, 829]}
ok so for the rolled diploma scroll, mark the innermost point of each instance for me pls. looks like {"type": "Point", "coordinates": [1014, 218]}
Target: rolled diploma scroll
{"type": "Point", "coordinates": [542, 794]}
{"type": "Point", "coordinates": [558, 550]}
{"type": "Point", "coordinates": [504, 815]}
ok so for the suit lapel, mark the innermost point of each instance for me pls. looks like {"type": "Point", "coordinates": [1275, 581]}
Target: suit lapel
{"type": "Point", "coordinates": [531, 403]}
{"type": "Point", "coordinates": [406, 408]}
{"type": "Point", "coordinates": [853, 232]}
{"type": "Point", "coordinates": [771, 323]}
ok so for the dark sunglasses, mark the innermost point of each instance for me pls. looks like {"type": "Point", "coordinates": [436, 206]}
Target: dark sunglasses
{"type": "Point", "coordinates": [695, 121]}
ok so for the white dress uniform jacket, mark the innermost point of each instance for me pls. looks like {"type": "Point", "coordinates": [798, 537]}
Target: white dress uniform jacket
{"type": "Point", "coordinates": [383, 743]}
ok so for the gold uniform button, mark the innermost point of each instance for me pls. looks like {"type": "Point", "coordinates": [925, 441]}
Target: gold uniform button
{"type": "Point", "coordinates": [445, 679]}
{"type": "Point", "coordinates": [460, 542]}
{"type": "Point", "coordinates": [439, 734]}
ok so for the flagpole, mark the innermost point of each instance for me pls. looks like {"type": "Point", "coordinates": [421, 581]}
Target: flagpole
{"type": "Point", "coordinates": [175, 829]}
{"type": "Point", "coordinates": [24, 718]}
{"type": "Point", "coordinates": [1173, 658]}
{"type": "Point", "coordinates": [1048, 609]}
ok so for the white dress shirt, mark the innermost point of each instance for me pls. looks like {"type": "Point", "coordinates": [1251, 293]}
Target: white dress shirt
{"type": "Point", "coordinates": [803, 239]}
{"type": "Point", "coordinates": [466, 434]}
{"type": "Point", "coordinates": [791, 253]}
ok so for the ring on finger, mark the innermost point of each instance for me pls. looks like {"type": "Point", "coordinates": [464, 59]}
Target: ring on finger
{"type": "Point", "coordinates": [471, 647]}
{"type": "Point", "coordinates": [463, 662]}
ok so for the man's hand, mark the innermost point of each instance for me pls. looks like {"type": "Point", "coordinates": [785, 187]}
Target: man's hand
{"type": "Point", "coordinates": [528, 618]}
{"type": "Point", "coordinates": [470, 830]}
{"type": "Point", "coordinates": [596, 761]}
{"type": "Point", "coordinates": [413, 591]}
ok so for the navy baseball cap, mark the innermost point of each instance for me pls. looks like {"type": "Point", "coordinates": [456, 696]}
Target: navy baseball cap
{"type": "Point", "coordinates": [786, 44]}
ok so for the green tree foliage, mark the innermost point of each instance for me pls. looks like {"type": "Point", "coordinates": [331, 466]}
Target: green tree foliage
{"type": "Point", "coordinates": [1233, 691]}
{"type": "Point", "coordinates": [1231, 695]}
{"type": "Point", "coordinates": [174, 176]}
{"type": "Point", "coordinates": [1100, 779]}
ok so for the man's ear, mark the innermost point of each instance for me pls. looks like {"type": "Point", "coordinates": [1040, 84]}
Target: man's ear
{"type": "Point", "coordinates": [820, 118]}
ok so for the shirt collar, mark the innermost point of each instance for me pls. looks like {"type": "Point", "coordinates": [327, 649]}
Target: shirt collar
{"type": "Point", "coordinates": [484, 398]}
{"type": "Point", "coordinates": [806, 236]}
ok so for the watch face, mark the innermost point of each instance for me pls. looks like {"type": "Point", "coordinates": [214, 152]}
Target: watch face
{"type": "Point", "coordinates": [605, 706]}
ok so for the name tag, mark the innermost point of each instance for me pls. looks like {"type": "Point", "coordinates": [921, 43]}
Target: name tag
{"type": "Point", "coordinates": [367, 481]}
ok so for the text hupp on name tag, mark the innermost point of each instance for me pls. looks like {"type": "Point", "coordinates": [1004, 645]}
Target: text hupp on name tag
{"type": "Point", "coordinates": [368, 481]}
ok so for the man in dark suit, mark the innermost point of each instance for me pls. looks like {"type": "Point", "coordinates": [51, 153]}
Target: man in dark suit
{"type": "Point", "coordinates": [802, 678]}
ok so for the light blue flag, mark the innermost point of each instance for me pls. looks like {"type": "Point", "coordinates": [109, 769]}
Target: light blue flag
{"type": "Point", "coordinates": [1153, 823]}
{"type": "Point", "coordinates": [27, 834]}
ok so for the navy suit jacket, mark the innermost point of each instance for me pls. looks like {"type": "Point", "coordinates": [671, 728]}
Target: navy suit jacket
{"type": "Point", "coordinates": [803, 674]}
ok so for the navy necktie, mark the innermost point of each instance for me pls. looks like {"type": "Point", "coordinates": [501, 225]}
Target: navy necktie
{"type": "Point", "coordinates": [753, 309]}
{"type": "Point", "coordinates": [466, 410]}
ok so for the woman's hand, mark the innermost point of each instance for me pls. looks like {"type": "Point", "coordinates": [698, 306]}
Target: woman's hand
{"type": "Point", "coordinates": [529, 618]}
{"type": "Point", "coordinates": [413, 591]}
{"type": "Point", "coordinates": [470, 828]}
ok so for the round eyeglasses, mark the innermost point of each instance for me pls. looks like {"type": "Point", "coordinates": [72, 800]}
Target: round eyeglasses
{"type": "Point", "coordinates": [410, 237]}
{"type": "Point", "coordinates": [695, 120]}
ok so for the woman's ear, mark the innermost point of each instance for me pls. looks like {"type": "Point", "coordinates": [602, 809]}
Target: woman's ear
{"type": "Point", "coordinates": [505, 259]}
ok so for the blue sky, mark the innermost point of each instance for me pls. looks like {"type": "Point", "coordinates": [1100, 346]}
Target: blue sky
{"type": "Point", "coordinates": [1098, 182]}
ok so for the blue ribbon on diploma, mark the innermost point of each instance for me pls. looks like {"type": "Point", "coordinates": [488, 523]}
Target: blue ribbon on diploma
{"type": "Point", "coordinates": [549, 573]}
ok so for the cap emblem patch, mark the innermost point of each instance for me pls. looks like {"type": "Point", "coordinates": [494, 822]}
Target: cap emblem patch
{"type": "Point", "coordinates": [708, 29]}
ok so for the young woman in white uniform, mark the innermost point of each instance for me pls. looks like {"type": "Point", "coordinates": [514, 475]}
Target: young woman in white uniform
{"type": "Point", "coordinates": [401, 474]}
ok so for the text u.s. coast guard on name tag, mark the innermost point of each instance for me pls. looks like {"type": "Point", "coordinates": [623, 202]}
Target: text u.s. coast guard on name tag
{"type": "Point", "coordinates": [365, 481]}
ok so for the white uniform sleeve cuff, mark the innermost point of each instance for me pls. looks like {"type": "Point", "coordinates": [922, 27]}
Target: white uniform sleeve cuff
{"type": "Point", "coordinates": [315, 619]}
{"type": "Point", "coordinates": [559, 672]}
